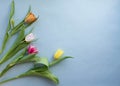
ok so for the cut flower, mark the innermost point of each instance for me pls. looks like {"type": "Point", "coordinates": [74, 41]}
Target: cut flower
{"type": "Point", "coordinates": [58, 54]}
{"type": "Point", "coordinates": [30, 18]}
{"type": "Point", "coordinates": [23, 52]}
{"type": "Point", "coordinates": [30, 37]}
{"type": "Point", "coordinates": [32, 49]}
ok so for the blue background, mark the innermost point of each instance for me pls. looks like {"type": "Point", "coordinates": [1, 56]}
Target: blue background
{"type": "Point", "coordinates": [88, 30]}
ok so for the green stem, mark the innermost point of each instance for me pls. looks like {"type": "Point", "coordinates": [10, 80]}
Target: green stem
{"type": "Point", "coordinates": [3, 58]}
{"type": "Point", "coordinates": [54, 62]}
{"type": "Point", "coordinates": [7, 55]}
{"type": "Point", "coordinates": [20, 76]}
{"type": "Point", "coordinates": [9, 66]}
{"type": "Point", "coordinates": [6, 39]}
{"type": "Point", "coordinates": [17, 28]}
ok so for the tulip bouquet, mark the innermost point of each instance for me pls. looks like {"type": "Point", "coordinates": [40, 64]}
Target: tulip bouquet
{"type": "Point", "coordinates": [23, 51]}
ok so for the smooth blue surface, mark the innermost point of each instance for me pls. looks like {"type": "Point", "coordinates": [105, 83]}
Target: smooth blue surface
{"type": "Point", "coordinates": [88, 30]}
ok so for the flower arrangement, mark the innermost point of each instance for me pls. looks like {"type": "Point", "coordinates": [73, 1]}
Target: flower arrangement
{"type": "Point", "coordinates": [24, 51]}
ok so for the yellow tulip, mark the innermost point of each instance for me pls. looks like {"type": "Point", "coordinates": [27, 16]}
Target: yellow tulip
{"type": "Point", "coordinates": [30, 18]}
{"type": "Point", "coordinates": [58, 54]}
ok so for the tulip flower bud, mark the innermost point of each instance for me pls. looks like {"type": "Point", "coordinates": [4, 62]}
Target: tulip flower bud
{"type": "Point", "coordinates": [58, 54]}
{"type": "Point", "coordinates": [30, 18]}
{"type": "Point", "coordinates": [30, 37]}
{"type": "Point", "coordinates": [32, 49]}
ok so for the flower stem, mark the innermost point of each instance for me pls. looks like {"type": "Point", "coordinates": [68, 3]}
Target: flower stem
{"type": "Point", "coordinates": [6, 39]}
{"type": "Point", "coordinates": [9, 66]}
{"type": "Point", "coordinates": [54, 62]}
{"type": "Point", "coordinates": [7, 80]}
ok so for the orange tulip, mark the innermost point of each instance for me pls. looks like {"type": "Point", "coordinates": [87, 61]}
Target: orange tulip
{"type": "Point", "coordinates": [30, 18]}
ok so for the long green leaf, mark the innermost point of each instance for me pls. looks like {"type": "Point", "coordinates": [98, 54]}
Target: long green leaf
{"type": "Point", "coordinates": [29, 10]}
{"type": "Point", "coordinates": [6, 37]}
{"type": "Point", "coordinates": [12, 9]}
{"type": "Point", "coordinates": [47, 74]}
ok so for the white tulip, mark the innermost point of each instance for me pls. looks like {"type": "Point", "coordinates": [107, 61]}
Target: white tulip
{"type": "Point", "coordinates": [30, 37]}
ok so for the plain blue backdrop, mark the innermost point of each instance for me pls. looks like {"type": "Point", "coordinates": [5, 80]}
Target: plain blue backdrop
{"type": "Point", "coordinates": [88, 30]}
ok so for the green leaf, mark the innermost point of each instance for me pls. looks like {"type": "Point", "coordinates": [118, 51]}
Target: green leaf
{"type": "Point", "coordinates": [59, 60]}
{"type": "Point", "coordinates": [7, 37]}
{"type": "Point", "coordinates": [41, 64]}
{"type": "Point", "coordinates": [12, 9]}
{"type": "Point", "coordinates": [29, 10]}
{"type": "Point", "coordinates": [47, 74]}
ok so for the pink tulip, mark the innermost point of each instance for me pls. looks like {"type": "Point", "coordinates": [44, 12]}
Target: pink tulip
{"type": "Point", "coordinates": [32, 49]}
